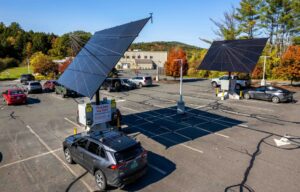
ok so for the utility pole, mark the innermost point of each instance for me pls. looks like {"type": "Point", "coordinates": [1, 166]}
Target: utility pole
{"type": "Point", "coordinates": [180, 103]}
{"type": "Point", "coordinates": [263, 81]}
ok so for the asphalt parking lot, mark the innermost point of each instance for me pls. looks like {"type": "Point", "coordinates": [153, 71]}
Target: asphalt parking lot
{"type": "Point", "coordinates": [232, 145]}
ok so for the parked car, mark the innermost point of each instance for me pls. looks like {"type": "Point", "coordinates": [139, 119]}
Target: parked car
{"type": "Point", "coordinates": [112, 157]}
{"type": "Point", "coordinates": [49, 85]}
{"type": "Point", "coordinates": [128, 84]}
{"type": "Point", "coordinates": [112, 84]}
{"type": "Point", "coordinates": [142, 81]}
{"type": "Point", "coordinates": [25, 78]}
{"type": "Point", "coordinates": [269, 93]}
{"type": "Point", "coordinates": [14, 96]}
{"type": "Point", "coordinates": [240, 83]}
{"type": "Point", "coordinates": [63, 91]}
{"type": "Point", "coordinates": [34, 87]}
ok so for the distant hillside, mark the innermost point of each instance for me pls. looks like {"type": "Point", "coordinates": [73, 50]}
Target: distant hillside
{"type": "Point", "coordinates": [163, 46]}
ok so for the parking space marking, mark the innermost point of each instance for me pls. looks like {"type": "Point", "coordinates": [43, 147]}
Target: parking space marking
{"type": "Point", "coordinates": [29, 158]}
{"type": "Point", "coordinates": [157, 169]}
{"type": "Point", "coordinates": [72, 122]}
{"type": "Point", "coordinates": [57, 157]}
{"type": "Point", "coordinates": [120, 100]}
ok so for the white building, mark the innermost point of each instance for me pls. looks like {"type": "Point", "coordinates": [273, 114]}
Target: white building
{"type": "Point", "coordinates": [137, 59]}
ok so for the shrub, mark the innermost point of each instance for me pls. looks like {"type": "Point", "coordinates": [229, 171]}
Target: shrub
{"type": "Point", "coordinates": [8, 63]}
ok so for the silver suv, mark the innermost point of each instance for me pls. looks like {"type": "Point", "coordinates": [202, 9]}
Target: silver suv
{"type": "Point", "coordinates": [112, 157]}
{"type": "Point", "coordinates": [34, 87]}
{"type": "Point", "coordinates": [142, 81]}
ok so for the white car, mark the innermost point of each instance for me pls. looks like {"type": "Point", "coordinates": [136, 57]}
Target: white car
{"type": "Point", "coordinates": [34, 87]}
{"type": "Point", "coordinates": [240, 83]}
{"type": "Point", "coordinates": [142, 81]}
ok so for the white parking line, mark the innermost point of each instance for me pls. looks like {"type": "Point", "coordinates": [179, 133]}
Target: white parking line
{"type": "Point", "coordinates": [29, 158]}
{"type": "Point", "coordinates": [157, 169]}
{"type": "Point", "coordinates": [72, 122]}
{"type": "Point", "coordinates": [57, 157]}
{"type": "Point", "coordinates": [120, 100]}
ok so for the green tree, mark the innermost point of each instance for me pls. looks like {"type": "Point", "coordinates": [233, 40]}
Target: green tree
{"type": "Point", "coordinates": [248, 15]}
{"type": "Point", "coordinates": [228, 29]}
{"type": "Point", "coordinates": [43, 64]}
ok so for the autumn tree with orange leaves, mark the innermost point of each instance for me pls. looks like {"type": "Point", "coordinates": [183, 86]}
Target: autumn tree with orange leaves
{"type": "Point", "coordinates": [62, 67]}
{"type": "Point", "coordinates": [289, 67]}
{"type": "Point", "coordinates": [172, 65]}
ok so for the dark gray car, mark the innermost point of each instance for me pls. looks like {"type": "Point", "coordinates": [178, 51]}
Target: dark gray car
{"type": "Point", "coordinates": [269, 93]}
{"type": "Point", "coordinates": [112, 157]}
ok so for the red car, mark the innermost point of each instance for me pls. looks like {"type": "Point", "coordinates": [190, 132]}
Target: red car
{"type": "Point", "coordinates": [49, 85]}
{"type": "Point", "coordinates": [14, 96]}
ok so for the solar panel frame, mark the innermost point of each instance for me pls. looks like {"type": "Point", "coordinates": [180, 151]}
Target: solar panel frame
{"type": "Point", "coordinates": [233, 55]}
{"type": "Point", "coordinates": [100, 54]}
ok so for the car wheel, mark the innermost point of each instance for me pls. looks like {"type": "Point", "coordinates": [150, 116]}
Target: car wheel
{"type": "Point", "coordinates": [275, 99]}
{"type": "Point", "coordinates": [247, 96]}
{"type": "Point", "coordinates": [237, 86]}
{"type": "Point", "coordinates": [63, 95]}
{"type": "Point", "coordinates": [68, 156]}
{"type": "Point", "coordinates": [140, 85]}
{"type": "Point", "coordinates": [108, 89]}
{"type": "Point", "coordinates": [100, 180]}
{"type": "Point", "coordinates": [214, 84]}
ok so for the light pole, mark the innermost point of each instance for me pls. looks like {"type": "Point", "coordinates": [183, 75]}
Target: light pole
{"type": "Point", "coordinates": [263, 81]}
{"type": "Point", "coordinates": [180, 103]}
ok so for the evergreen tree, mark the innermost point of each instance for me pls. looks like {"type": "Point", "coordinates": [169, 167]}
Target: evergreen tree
{"type": "Point", "coordinates": [248, 15]}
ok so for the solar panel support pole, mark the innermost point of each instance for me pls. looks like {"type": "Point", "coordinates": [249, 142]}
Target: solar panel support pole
{"type": "Point", "coordinates": [98, 97]}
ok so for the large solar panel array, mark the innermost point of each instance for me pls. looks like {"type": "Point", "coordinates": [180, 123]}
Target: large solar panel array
{"type": "Point", "coordinates": [99, 55]}
{"type": "Point", "coordinates": [233, 55]}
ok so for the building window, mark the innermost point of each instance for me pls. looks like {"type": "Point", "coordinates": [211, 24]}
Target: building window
{"type": "Point", "coordinates": [127, 57]}
{"type": "Point", "coordinates": [139, 57]}
{"type": "Point", "coordinates": [133, 57]}
{"type": "Point", "coordinates": [151, 57]}
{"type": "Point", "coordinates": [145, 57]}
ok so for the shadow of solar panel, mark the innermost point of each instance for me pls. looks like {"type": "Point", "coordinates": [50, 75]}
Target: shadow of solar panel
{"type": "Point", "coordinates": [99, 55]}
{"type": "Point", "coordinates": [169, 125]}
{"type": "Point", "coordinates": [194, 121]}
{"type": "Point", "coordinates": [192, 133]}
{"type": "Point", "coordinates": [213, 127]}
{"type": "Point", "coordinates": [176, 138]}
{"type": "Point", "coordinates": [133, 120]}
{"type": "Point", "coordinates": [228, 121]}
{"type": "Point", "coordinates": [233, 55]}
{"type": "Point", "coordinates": [168, 128]}
{"type": "Point", "coordinates": [153, 128]}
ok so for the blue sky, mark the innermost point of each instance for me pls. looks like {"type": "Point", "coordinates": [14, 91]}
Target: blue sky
{"type": "Point", "coordinates": [174, 20]}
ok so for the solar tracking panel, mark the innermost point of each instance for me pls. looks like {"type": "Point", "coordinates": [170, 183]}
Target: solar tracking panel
{"type": "Point", "coordinates": [233, 55]}
{"type": "Point", "coordinates": [100, 54]}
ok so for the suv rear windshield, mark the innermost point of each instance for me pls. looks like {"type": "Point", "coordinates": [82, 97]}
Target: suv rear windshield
{"type": "Point", "coordinates": [129, 153]}
{"type": "Point", "coordinates": [148, 78]}
{"type": "Point", "coordinates": [35, 83]}
{"type": "Point", "coordinates": [16, 92]}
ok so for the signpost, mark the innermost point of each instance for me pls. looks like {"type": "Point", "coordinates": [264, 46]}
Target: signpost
{"type": "Point", "coordinates": [101, 113]}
